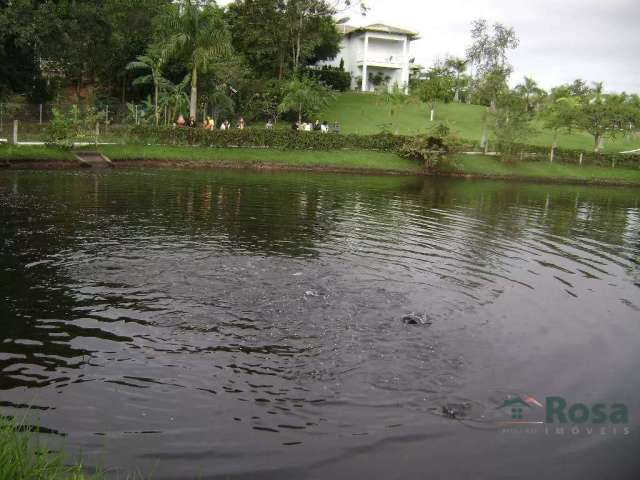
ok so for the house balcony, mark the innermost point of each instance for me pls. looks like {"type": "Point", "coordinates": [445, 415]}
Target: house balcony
{"type": "Point", "coordinates": [392, 61]}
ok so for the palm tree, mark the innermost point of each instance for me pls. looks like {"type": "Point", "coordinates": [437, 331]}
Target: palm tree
{"type": "Point", "coordinates": [175, 98]}
{"type": "Point", "coordinates": [200, 34]}
{"type": "Point", "coordinates": [304, 95]}
{"type": "Point", "coordinates": [394, 99]}
{"type": "Point", "coordinates": [459, 66]}
{"type": "Point", "coordinates": [153, 62]}
{"type": "Point", "coordinates": [531, 92]}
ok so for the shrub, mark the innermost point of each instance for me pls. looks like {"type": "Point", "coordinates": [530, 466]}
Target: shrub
{"type": "Point", "coordinates": [281, 139]}
{"type": "Point", "coordinates": [63, 128]}
{"type": "Point", "coordinates": [426, 149]}
{"type": "Point", "coordinates": [71, 125]}
{"type": "Point", "coordinates": [332, 77]}
{"type": "Point", "coordinates": [418, 148]}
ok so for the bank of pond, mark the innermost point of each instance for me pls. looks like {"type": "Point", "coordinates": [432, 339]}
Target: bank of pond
{"type": "Point", "coordinates": [351, 161]}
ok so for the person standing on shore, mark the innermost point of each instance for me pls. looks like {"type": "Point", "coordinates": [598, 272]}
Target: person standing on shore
{"type": "Point", "coordinates": [241, 123]}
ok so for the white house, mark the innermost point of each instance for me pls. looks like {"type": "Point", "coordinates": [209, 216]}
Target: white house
{"type": "Point", "coordinates": [373, 53]}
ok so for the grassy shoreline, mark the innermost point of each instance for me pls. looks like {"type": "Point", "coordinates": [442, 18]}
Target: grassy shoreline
{"type": "Point", "coordinates": [366, 113]}
{"type": "Point", "coordinates": [24, 457]}
{"type": "Point", "coordinates": [346, 161]}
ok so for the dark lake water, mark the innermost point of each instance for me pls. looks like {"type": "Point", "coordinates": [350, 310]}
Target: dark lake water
{"type": "Point", "coordinates": [197, 324]}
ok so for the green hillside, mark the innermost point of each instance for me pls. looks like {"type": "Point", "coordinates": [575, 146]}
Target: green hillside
{"type": "Point", "coordinates": [367, 113]}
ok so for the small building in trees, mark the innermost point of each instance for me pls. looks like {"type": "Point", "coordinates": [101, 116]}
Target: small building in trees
{"type": "Point", "coordinates": [377, 56]}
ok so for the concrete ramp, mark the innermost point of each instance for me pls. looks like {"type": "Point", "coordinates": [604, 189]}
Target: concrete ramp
{"type": "Point", "coordinates": [93, 159]}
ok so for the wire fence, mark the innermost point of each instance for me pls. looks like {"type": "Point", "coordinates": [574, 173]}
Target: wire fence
{"type": "Point", "coordinates": [31, 120]}
{"type": "Point", "coordinates": [42, 113]}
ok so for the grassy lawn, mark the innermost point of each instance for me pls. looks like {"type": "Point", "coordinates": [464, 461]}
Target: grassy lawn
{"type": "Point", "coordinates": [255, 156]}
{"type": "Point", "coordinates": [340, 159]}
{"type": "Point", "coordinates": [35, 153]}
{"type": "Point", "coordinates": [366, 114]}
{"type": "Point", "coordinates": [481, 165]}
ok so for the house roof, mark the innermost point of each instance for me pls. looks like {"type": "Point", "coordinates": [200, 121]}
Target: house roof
{"type": "Point", "coordinates": [380, 27]}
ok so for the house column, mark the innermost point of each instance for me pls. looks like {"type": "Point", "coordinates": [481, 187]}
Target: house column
{"type": "Point", "coordinates": [364, 62]}
{"type": "Point", "coordinates": [405, 66]}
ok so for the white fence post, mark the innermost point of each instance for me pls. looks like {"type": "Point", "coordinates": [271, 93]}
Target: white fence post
{"type": "Point", "coordinates": [14, 138]}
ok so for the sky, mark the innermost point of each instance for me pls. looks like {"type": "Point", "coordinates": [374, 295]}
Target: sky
{"type": "Point", "coordinates": [560, 40]}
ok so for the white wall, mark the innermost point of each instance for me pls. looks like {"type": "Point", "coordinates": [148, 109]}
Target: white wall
{"type": "Point", "coordinates": [382, 49]}
{"type": "Point", "coordinates": [382, 46]}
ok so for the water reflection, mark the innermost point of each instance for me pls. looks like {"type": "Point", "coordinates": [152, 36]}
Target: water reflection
{"type": "Point", "coordinates": [198, 318]}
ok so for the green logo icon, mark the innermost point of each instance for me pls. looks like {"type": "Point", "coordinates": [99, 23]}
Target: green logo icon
{"type": "Point", "coordinates": [516, 406]}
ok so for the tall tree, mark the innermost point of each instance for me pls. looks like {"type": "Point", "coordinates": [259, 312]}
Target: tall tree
{"type": "Point", "coordinates": [599, 115]}
{"type": "Point", "coordinates": [259, 33]}
{"type": "Point", "coordinates": [488, 55]}
{"type": "Point", "coordinates": [509, 123]}
{"type": "Point", "coordinates": [133, 28]}
{"type": "Point", "coordinates": [631, 119]}
{"type": "Point", "coordinates": [153, 62]}
{"type": "Point", "coordinates": [279, 37]}
{"type": "Point", "coordinates": [27, 29]}
{"type": "Point", "coordinates": [490, 47]}
{"type": "Point", "coordinates": [198, 34]}
{"type": "Point", "coordinates": [559, 115]}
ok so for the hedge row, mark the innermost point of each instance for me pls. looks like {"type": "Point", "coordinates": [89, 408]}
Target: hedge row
{"type": "Point", "coordinates": [281, 139]}
{"type": "Point", "coordinates": [566, 155]}
{"type": "Point", "coordinates": [386, 142]}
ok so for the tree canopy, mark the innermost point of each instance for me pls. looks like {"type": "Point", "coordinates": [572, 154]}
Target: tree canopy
{"type": "Point", "coordinates": [199, 35]}
{"type": "Point", "coordinates": [278, 37]}
{"type": "Point", "coordinates": [437, 86]}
